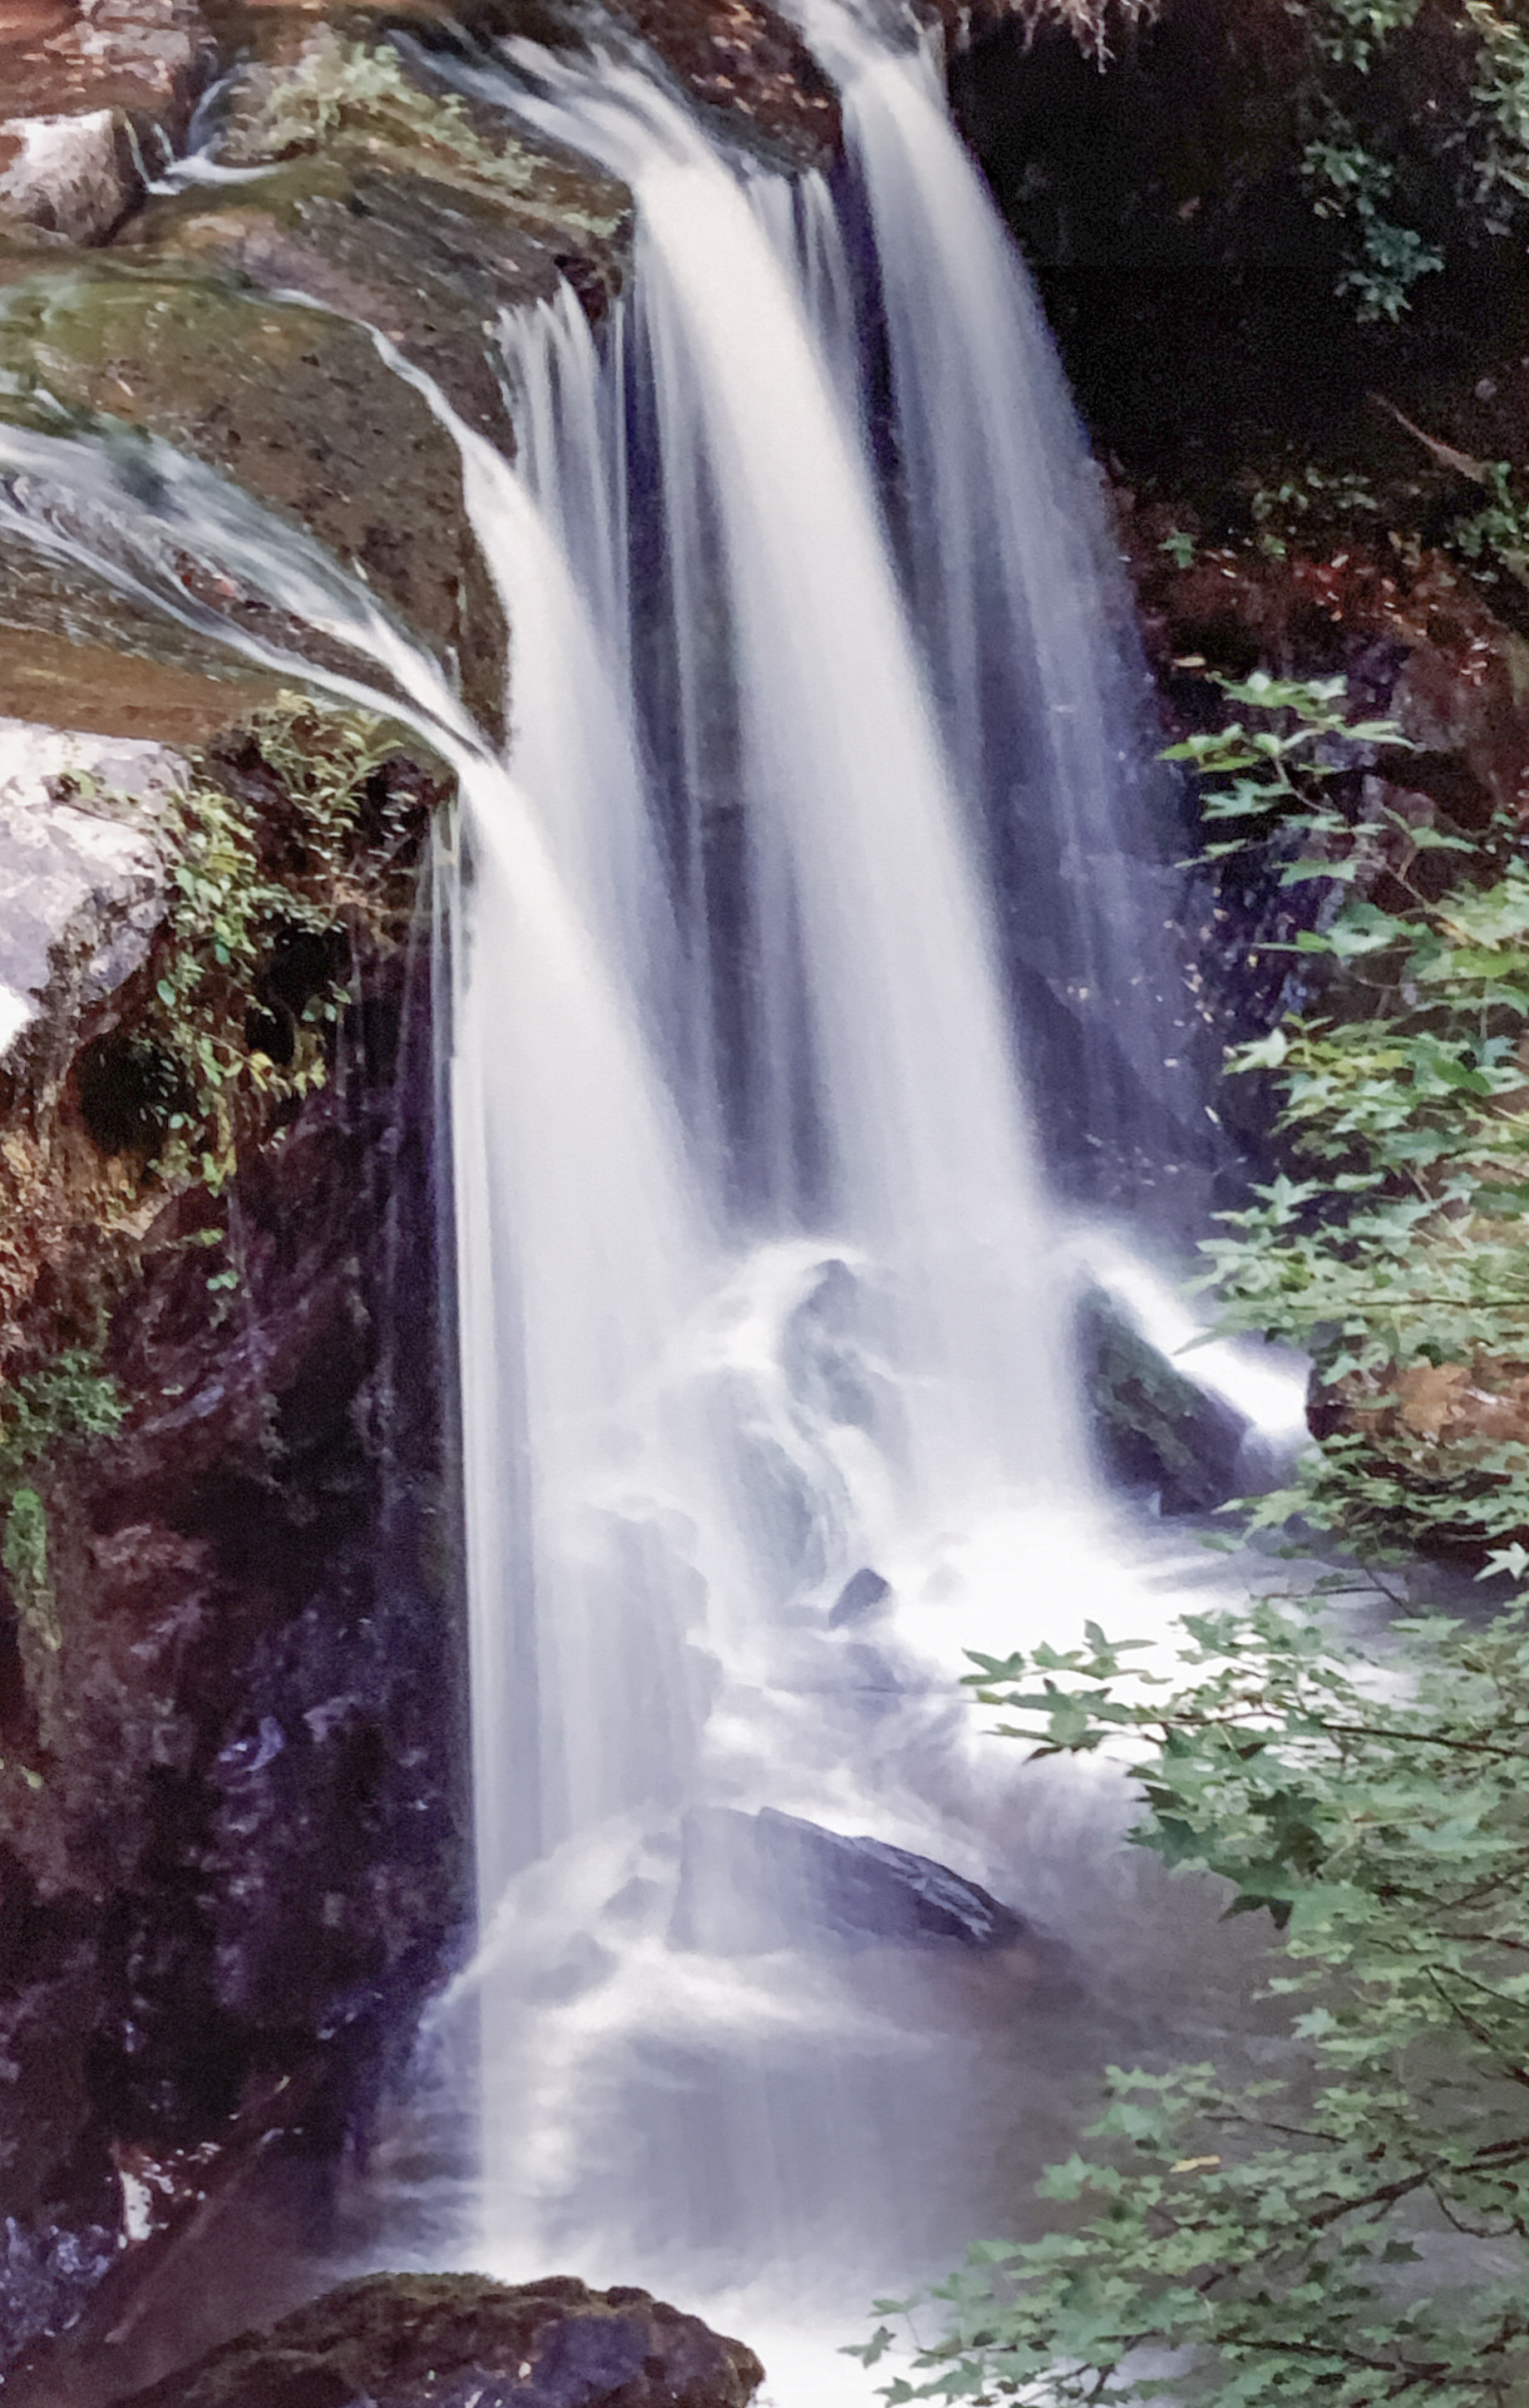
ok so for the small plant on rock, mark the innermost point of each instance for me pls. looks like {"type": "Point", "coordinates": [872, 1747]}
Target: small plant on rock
{"type": "Point", "coordinates": [67, 1400]}
{"type": "Point", "coordinates": [267, 879]}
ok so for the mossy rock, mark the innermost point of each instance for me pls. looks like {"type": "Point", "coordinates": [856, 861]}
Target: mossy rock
{"type": "Point", "coordinates": [426, 263]}
{"type": "Point", "coordinates": [741, 61]}
{"type": "Point", "coordinates": [403, 2341]}
{"type": "Point", "coordinates": [294, 405]}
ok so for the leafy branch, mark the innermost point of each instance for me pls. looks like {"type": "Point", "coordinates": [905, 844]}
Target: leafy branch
{"type": "Point", "coordinates": [1244, 2241]}
{"type": "Point", "coordinates": [1392, 1250]}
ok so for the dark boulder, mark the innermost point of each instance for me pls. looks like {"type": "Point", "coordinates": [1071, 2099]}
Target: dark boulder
{"type": "Point", "coordinates": [861, 1595]}
{"type": "Point", "coordinates": [446, 2341]}
{"type": "Point", "coordinates": [1153, 1426]}
{"type": "Point", "coordinates": [755, 1882]}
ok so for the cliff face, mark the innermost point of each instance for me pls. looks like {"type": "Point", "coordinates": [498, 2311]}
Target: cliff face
{"type": "Point", "coordinates": [230, 1692]}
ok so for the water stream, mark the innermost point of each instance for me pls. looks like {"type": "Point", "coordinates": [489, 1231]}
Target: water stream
{"type": "Point", "coordinates": [824, 814]}
{"type": "Point", "coordinates": [838, 1436]}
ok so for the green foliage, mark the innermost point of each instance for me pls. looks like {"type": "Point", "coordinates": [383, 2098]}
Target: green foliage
{"type": "Point", "coordinates": [1350, 183]}
{"type": "Point", "coordinates": [1397, 1249]}
{"type": "Point", "coordinates": [1305, 499]}
{"type": "Point", "coordinates": [1359, 165]}
{"type": "Point", "coordinates": [1496, 535]}
{"type": "Point", "coordinates": [24, 1554]}
{"type": "Point", "coordinates": [68, 1400]}
{"type": "Point", "coordinates": [1500, 160]}
{"type": "Point", "coordinates": [1294, 2238]}
{"type": "Point", "coordinates": [249, 875]}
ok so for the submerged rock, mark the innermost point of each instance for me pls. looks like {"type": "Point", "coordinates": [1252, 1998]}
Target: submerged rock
{"type": "Point", "coordinates": [756, 1882]}
{"type": "Point", "coordinates": [459, 2341]}
{"type": "Point", "coordinates": [861, 1595]}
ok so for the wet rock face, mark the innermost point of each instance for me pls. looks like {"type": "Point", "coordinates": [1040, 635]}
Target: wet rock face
{"type": "Point", "coordinates": [428, 267]}
{"type": "Point", "coordinates": [389, 201]}
{"type": "Point", "coordinates": [739, 58]}
{"type": "Point", "coordinates": [299, 408]}
{"type": "Point", "coordinates": [456, 2341]}
{"type": "Point", "coordinates": [231, 1831]}
{"type": "Point", "coordinates": [1154, 1429]}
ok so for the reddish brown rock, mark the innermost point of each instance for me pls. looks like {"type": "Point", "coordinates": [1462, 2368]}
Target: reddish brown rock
{"type": "Point", "coordinates": [738, 57]}
{"type": "Point", "coordinates": [147, 58]}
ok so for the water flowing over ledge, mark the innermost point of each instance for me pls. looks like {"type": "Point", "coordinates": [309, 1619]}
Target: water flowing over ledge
{"type": "Point", "coordinates": [768, 1397]}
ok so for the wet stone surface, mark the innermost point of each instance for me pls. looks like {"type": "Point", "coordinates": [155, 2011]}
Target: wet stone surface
{"type": "Point", "coordinates": [82, 877]}
{"type": "Point", "coordinates": [756, 1882]}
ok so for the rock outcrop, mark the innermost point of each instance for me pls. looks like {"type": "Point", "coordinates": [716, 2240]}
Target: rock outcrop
{"type": "Point", "coordinates": [82, 872]}
{"type": "Point", "coordinates": [447, 2341]}
{"type": "Point", "coordinates": [231, 1826]}
{"type": "Point", "coordinates": [752, 1882]}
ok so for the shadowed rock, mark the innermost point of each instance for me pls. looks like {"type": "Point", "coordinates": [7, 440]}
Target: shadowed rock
{"type": "Point", "coordinates": [443, 2340]}
{"type": "Point", "coordinates": [862, 1593]}
{"type": "Point", "coordinates": [756, 1882]}
{"type": "Point", "coordinates": [1155, 1425]}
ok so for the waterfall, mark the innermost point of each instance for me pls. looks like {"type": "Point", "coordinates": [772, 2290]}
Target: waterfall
{"type": "Point", "coordinates": [1027, 627]}
{"type": "Point", "coordinates": [736, 1452]}
{"type": "Point", "coordinates": [767, 1401]}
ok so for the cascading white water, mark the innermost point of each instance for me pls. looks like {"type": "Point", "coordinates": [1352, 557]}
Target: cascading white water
{"type": "Point", "coordinates": [755, 1292]}
{"type": "Point", "coordinates": [880, 1376]}
{"type": "Point", "coordinates": [1028, 625]}
{"type": "Point", "coordinates": [881, 1045]}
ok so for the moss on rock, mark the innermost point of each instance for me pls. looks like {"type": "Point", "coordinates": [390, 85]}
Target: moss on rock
{"type": "Point", "coordinates": [295, 404]}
